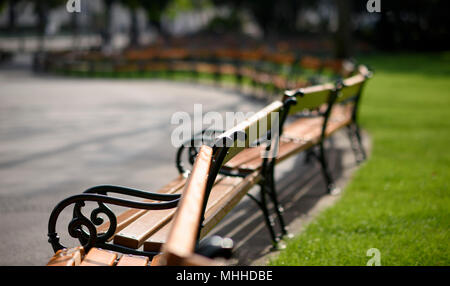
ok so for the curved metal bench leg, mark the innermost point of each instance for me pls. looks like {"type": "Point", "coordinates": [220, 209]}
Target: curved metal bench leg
{"type": "Point", "coordinates": [325, 171]}
{"type": "Point", "coordinates": [351, 137]}
{"type": "Point", "coordinates": [262, 204]}
{"type": "Point", "coordinates": [308, 155]}
{"type": "Point", "coordinates": [358, 137]}
{"type": "Point", "coordinates": [356, 142]}
{"type": "Point", "coordinates": [268, 219]}
{"type": "Point", "coordinates": [274, 197]}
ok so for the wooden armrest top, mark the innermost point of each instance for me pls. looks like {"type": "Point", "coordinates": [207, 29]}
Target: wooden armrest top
{"type": "Point", "coordinates": [183, 234]}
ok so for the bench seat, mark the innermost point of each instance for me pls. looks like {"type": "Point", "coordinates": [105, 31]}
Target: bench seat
{"type": "Point", "coordinates": [224, 196]}
{"type": "Point", "coordinates": [130, 215]}
{"type": "Point", "coordinates": [67, 257]}
{"type": "Point", "coordinates": [152, 226]}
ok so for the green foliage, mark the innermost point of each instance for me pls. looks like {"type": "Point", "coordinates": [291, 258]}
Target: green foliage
{"type": "Point", "coordinates": [2, 5]}
{"type": "Point", "coordinates": [155, 8]}
{"type": "Point", "coordinates": [229, 23]}
{"type": "Point", "coordinates": [399, 201]}
{"type": "Point", "coordinates": [279, 16]}
{"type": "Point", "coordinates": [177, 6]}
{"type": "Point", "coordinates": [132, 4]}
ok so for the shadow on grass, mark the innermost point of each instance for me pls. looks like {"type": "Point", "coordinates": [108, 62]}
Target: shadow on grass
{"type": "Point", "coordinates": [299, 190]}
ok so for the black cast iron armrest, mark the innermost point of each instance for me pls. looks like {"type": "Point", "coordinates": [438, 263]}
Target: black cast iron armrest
{"type": "Point", "coordinates": [205, 137]}
{"type": "Point", "coordinates": [105, 189]}
{"type": "Point", "coordinates": [92, 238]}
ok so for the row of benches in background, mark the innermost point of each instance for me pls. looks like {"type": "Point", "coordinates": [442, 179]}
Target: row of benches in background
{"type": "Point", "coordinates": [169, 227]}
{"type": "Point", "coordinates": [260, 69]}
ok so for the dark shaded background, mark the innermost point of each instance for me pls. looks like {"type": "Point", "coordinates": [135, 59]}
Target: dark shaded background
{"type": "Point", "coordinates": [413, 25]}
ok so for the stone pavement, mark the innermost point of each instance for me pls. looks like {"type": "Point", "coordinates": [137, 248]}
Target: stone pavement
{"type": "Point", "coordinates": [60, 136]}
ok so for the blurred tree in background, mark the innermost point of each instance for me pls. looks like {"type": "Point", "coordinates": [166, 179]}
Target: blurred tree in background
{"type": "Point", "coordinates": [42, 9]}
{"type": "Point", "coordinates": [273, 17]}
{"type": "Point", "coordinates": [411, 25]}
{"type": "Point", "coordinates": [343, 38]}
{"type": "Point", "coordinates": [133, 5]}
{"type": "Point", "coordinates": [402, 24]}
{"type": "Point", "coordinates": [155, 10]}
{"type": "Point", "coordinates": [106, 28]}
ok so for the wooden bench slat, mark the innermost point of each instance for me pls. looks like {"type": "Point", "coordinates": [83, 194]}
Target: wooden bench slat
{"type": "Point", "coordinates": [287, 147]}
{"type": "Point", "coordinates": [244, 156]}
{"type": "Point", "coordinates": [302, 127]}
{"type": "Point", "coordinates": [182, 66]}
{"type": "Point", "coordinates": [99, 257]}
{"type": "Point", "coordinates": [218, 192]}
{"type": "Point", "coordinates": [133, 260]}
{"type": "Point", "coordinates": [123, 220]}
{"type": "Point", "coordinates": [206, 68]}
{"type": "Point", "coordinates": [134, 235]}
{"type": "Point", "coordinates": [130, 215]}
{"type": "Point", "coordinates": [339, 118]}
{"type": "Point", "coordinates": [67, 257]}
{"type": "Point", "coordinates": [156, 240]}
{"type": "Point", "coordinates": [138, 231]}
{"type": "Point", "coordinates": [228, 69]}
{"type": "Point", "coordinates": [156, 261]}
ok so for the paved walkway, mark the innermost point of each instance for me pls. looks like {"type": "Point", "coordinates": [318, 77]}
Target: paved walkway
{"type": "Point", "coordinates": [60, 136]}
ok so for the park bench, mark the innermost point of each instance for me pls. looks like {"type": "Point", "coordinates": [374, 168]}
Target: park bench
{"type": "Point", "coordinates": [150, 222]}
{"type": "Point", "coordinates": [182, 239]}
{"type": "Point", "coordinates": [301, 135]}
{"type": "Point", "coordinates": [328, 108]}
{"type": "Point", "coordinates": [269, 71]}
{"type": "Point", "coordinates": [321, 110]}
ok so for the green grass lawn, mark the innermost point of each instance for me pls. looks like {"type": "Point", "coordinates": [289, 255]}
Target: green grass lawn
{"type": "Point", "coordinates": [399, 200]}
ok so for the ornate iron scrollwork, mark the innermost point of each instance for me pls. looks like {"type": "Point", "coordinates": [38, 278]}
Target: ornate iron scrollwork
{"type": "Point", "coordinates": [85, 229]}
{"type": "Point", "coordinates": [192, 145]}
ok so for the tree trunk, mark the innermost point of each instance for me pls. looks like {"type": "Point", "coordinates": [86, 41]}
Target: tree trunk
{"type": "Point", "coordinates": [158, 26]}
{"type": "Point", "coordinates": [75, 31]}
{"type": "Point", "coordinates": [106, 33]}
{"type": "Point", "coordinates": [12, 16]}
{"type": "Point", "coordinates": [343, 41]}
{"type": "Point", "coordinates": [134, 30]}
{"type": "Point", "coordinates": [42, 13]}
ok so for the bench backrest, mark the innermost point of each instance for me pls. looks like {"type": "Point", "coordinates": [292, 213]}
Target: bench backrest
{"type": "Point", "coordinates": [315, 97]}
{"type": "Point", "coordinates": [352, 86]}
{"type": "Point", "coordinates": [351, 90]}
{"type": "Point", "coordinates": [251, 129]}
{"type": "Point", "coordinates": [311, 98]}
